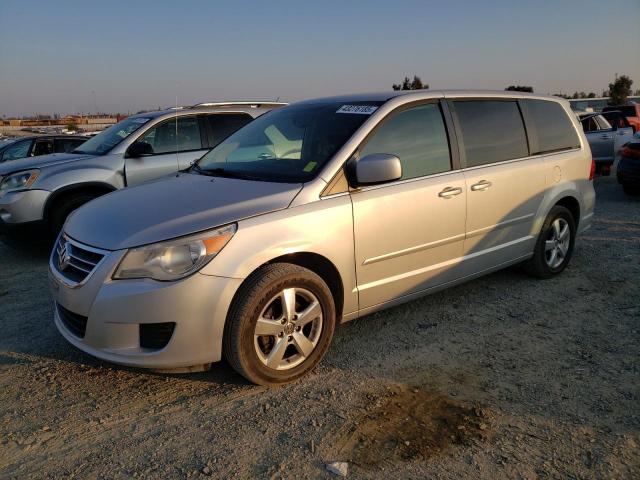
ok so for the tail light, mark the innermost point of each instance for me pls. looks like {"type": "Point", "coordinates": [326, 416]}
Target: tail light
{"type": "Point", "coordinates": [592, 173]}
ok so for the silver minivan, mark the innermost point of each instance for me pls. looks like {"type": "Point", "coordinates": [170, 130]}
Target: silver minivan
{"type": "Point", "coordinates": [318, 213]}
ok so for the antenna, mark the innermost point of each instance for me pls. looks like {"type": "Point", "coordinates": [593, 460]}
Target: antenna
{"type": "Point", "coordinates": [176, 138]}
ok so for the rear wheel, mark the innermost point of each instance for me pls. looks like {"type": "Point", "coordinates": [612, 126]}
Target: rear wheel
{"type": "Point", "coordinates": [554, 245]}
{"type": "Point", "coordinates": [280, 324]}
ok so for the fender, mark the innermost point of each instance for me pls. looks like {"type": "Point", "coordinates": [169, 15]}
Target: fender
{"type": "Point", "coordinates": [323, 227]}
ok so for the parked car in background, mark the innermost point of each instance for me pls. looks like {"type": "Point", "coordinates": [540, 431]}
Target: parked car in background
{"type": "Point", "coordinates": [318, 213]}
{"type": "Point", "coordinates": [43, 191]}
{"type": "Point", "coordinates": [628, 172]}
{"type": "Point", "coordinates": [606, 133]}
{"type": "Point", "coordinates": [36, 146]}
{"type": "Point", "coordinates": [631, 112]}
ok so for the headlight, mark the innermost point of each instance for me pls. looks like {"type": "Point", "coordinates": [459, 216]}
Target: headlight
{"type": "Point", "coordinates": [18, 181]}
{"type": "Point", "coordinates": [174, 259]}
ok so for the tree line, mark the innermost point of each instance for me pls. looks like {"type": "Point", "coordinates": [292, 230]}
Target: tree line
{"type": "Point", "coordinates": [619, 91]}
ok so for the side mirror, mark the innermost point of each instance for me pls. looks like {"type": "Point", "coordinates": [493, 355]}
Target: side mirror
{"type": "Point", "coordinates": [373, 169]}
{"type": "Point", "coordinates": [139, 149]}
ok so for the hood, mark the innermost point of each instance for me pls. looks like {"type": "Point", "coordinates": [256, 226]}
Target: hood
{"type": "Point", "coordinates": [173, 207]}
{"type": "Point", "coordinates": [39, 162]}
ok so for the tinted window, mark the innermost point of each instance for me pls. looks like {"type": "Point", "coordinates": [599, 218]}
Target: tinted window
{"type": "Point", "coordinates": [42, 147]}
{"type": "Point", "coordinates": [66, 145]}
{"type": "Point", "coordinates": [418, 137]}
{"type": "Point", "coordinates": [290, 144]}
{"type": "Point", "coordinates": [17, 150]}
{"type": "Point", "coordinates": [221, 125]}
{"type": "Point", "coordinates": [627, 110]}
{"type": "Point", "coordinates": [555, 130]}
{"type": "Point", "coordinates": [165, 138]}
{"type": "Point", "coordinates": [492, 131]}
{"type": "Point", "coordinates": [602, 123]}
{"type": "Point", "coordinates": [589, 125]}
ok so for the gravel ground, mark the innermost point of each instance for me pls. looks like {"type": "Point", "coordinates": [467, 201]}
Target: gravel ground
{"type": "Point", "coordinates": [503, 377]}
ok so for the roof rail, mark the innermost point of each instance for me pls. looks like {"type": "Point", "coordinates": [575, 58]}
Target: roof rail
{"type": "Point", "coordinates": [256, 104]}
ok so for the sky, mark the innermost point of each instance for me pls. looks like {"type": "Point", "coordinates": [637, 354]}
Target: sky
{"type": "Point", "coordinates": [71, 56]}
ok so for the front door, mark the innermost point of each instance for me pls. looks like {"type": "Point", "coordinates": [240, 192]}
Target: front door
{"type": "Point", "coordinates": [174, 148]}
{"type": "Point", "coordinates": [409, 234]}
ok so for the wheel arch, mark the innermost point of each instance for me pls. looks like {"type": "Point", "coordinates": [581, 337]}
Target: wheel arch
{"type": "Point", "coordinates": [572, 204]}
{"type": "Point", "coordinates": [97, 188]}
{"type": "Point", "coordinates": [318, 264]}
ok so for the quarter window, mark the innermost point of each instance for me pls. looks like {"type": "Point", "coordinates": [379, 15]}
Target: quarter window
{"type": "Point", "coordinates": [492, 131]}
{"type": "Point", "coordinates": [418, 137]}
{"type": "Point", "coordinates": [553, 127]}
{"type": "Point", "coordinates": [221, 125]}
{"type": "Point", "coordinates": [166, 138]}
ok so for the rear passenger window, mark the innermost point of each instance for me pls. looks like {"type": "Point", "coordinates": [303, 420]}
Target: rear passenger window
{"type": "Point", "coordinates": [221, 125]}
{"type": "Point", "coordinates": [492, 131]}
{"type": "Point", "coordinates": [66, 145]}
{"type": "Point", "coordinates": [554, 129]}
{"type": "Point", "coordinates": [418, 137]}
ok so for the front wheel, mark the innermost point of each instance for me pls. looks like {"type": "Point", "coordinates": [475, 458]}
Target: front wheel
{"type": "Point", "coordinates": [554, 245]}
{"type": "Point", "coordinates": [279, 325]}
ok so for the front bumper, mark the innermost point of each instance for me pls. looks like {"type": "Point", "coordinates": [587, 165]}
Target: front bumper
{"type": "Point", "coordinates": [17, 208]}
{"type": "Point", "coordinates": [114, 310]}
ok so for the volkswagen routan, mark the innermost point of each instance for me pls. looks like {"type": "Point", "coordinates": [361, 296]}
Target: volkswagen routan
{"type": "Point", "coordinates": [315, 214]}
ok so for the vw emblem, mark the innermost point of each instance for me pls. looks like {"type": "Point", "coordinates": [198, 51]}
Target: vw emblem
{"type": "Point", "coordinates": [63, 257]}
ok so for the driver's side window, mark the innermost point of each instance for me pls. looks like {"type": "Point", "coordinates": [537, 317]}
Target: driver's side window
{"type": "Point", "coordinates": [166, 138]}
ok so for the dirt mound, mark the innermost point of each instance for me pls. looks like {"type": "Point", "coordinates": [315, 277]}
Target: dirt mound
{"type": "Point", "coordinates": [409, 424]}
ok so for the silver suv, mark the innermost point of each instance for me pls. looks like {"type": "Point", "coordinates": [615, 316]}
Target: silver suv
{"type": "Point", "coordinates": [316, 214]}
{"type": "Point", "coordinates": [45, 189]}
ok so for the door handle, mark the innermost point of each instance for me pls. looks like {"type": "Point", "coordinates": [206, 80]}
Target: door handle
{"type": "Point", "coordinates": [606, 137]}
{"type": "Point", "coordinates": [481, 185]}
{"type": "Point", "coordinates": [450, 192]}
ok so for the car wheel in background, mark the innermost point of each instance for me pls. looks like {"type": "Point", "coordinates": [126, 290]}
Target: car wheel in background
{"type": "Point", "coordinates": [554, 245]}
{"type": "Point", "coordinates": [62, 209]}
{"type": "Point", "coordinates": [279, 325]}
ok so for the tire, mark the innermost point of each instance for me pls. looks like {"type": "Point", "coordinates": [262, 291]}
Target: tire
{"type": "Point", "coordinates": [263, 295]}
{"type": "Point", "coordinates": [62, 209]}
{"type": "Point", "coordinates": [631, 190]}
{"type": "Point", "coordinates": [544, 264]}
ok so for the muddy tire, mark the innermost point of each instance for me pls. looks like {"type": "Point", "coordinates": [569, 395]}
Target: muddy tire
{"type": "Point", "coordinates": [554, 246]}
{"type": "Point", "coordinates": [280, 324]}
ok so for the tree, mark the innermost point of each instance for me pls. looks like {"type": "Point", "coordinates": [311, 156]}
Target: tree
{"type": "Point", "coordinates": [519, 88]}
{"type": "Point", "coordinates": [591, 95]}
{"type": "Point", "coordinates": [619, 90]}
{"type": "Point", "coordinates": [408, 84]}
{"type": "Point", "coordinates": [72, 127]}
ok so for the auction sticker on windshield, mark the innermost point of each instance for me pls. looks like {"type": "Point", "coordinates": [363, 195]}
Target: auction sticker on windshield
{"type": "Point", "coordinates": [361, 109]}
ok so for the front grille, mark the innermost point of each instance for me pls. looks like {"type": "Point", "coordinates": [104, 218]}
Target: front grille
{"type": "Point", "coordinates": [156, 335]}
{"type": "Point", "coordinates": [76, 324]}
{"type": "Point", "coordinates": [75, 261]}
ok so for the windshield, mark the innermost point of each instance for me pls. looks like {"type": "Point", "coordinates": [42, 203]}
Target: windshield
{"type": "Point", "coordinates": [112, 136]}
{"type": "Point", "coordinates": [290, 144]}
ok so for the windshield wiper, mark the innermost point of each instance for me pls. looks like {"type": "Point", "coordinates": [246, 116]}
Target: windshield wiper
{"type": "Point", "coordinates": [221, 172]}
